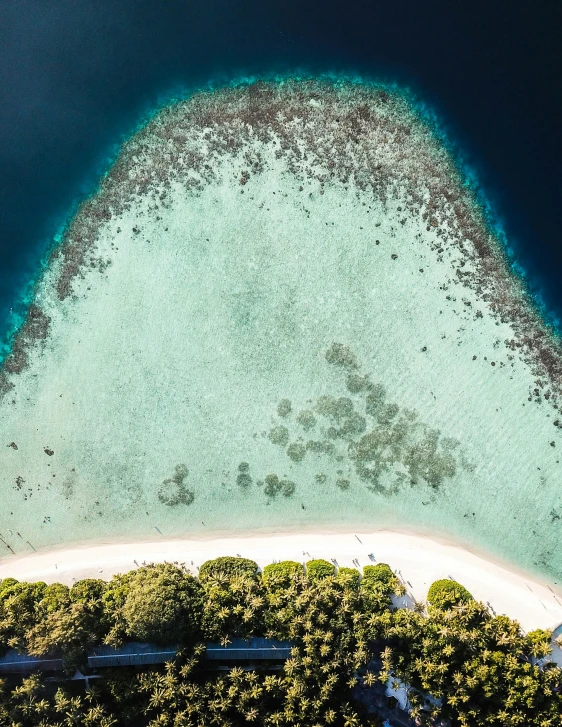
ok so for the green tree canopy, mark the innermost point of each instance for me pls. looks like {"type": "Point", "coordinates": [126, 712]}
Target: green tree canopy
{"type": "Point", "coordinates": [55, 598]}
{"type": "Point", "coordinates": [282, 574]}
{"type": "Point", "coordinates": [378, 585]}
{"type": "Point", "coordinates": [228, 565]}
{"type": "Point", "coordinates": [6, 583]}
{"type": "Point", "coordinates": [162, 604]}
{"type": "Point", "coordinates": [538, 643]}
{"type": "Point", "coordinates": [478, 666]}
{"type": "Point", "coordinates": [69, 621]}
{"type": "Point", "coordinates": [446, 594]}
{"type": "Point", "coordinates": [18, 603]}
{"type": "Point", "coordinates": [88, 590]}
{"type": "Point", "coordinates": [349, 576]}
{"type": "Point", "coordinates": [462, 664]}
{"type": "Point", "coordinates": [318, 569]}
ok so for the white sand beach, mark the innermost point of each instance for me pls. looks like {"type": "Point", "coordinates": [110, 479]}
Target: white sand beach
{"type": "Point", "coordinates": [417, 560]}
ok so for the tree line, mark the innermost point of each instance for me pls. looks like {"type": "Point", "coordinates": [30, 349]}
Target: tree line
{"type": "Point", "coordinates": [464, 666]}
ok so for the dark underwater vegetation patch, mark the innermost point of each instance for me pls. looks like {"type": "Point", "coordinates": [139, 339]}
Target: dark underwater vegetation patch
{"type": "Point", "coordinates": [382, 445]}
{"type": "Point", "coordinates": [372, 435]}
{"type": "Point", "coordinates": [174, 491]}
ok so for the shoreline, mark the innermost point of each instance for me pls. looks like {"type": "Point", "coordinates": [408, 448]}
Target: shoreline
{"type": "Point", "coordinates": [90, 459]}
{"type": "Point", "coordinates": [418, 560]}
{"type": "Point", "coordinates": [321, 529]}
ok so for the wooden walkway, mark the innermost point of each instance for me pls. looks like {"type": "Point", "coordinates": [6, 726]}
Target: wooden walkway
{"type": "Point", "coordinates": [140, 654]}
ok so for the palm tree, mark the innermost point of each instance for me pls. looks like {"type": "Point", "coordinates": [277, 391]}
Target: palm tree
{"type": "Point", "coordinates": [370, 679]}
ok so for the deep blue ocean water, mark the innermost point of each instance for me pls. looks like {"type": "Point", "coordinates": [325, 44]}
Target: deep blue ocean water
{"type": "Point", "coordinates": [76, 76]}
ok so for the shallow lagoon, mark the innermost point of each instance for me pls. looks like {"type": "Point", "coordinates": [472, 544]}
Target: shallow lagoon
{"type": "Point", "coordinates": [283, 310]}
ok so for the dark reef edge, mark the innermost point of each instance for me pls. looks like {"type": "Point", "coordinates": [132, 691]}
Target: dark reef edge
{"type": "Point", "coordinates": [254, 104]}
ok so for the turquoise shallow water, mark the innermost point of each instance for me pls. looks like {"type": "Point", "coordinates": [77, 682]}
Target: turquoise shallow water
{"type": "Point", "coordinates": [281, 320]}
{"type": "Point", "coordinates": [16, 302]}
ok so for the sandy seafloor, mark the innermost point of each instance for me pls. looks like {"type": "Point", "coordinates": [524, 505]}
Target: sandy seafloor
{"type": "Point", "coordinates": [232, 269]}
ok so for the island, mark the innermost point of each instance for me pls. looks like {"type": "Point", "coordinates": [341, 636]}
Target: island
{"type": "Point", "coordinates": [287, 322]}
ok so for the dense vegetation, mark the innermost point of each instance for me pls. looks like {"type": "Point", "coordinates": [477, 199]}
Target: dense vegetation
{"type": "Point", "coordinates": [464, 665]}
{"type": "Point", "coordinates": [445, 594]}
